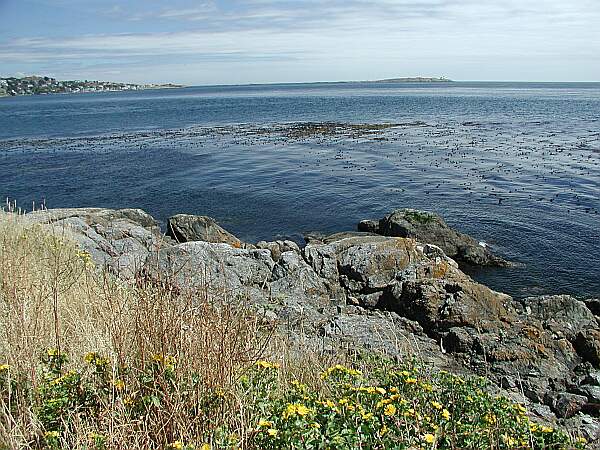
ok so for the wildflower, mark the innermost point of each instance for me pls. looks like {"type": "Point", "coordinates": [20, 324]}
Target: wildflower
{"type": "Point", "coordinates": [52, 352]}
{"type": "Point", "coordinates": [4, 368]}
{"type": "Point", "coordinates": [383, 431]}
{"type": "Point", "coordinates": [96, 437]}
{"type": "Point", "coordinates": [389, 410]}
{"type": "Point", "coordinates": [429, 438]}
{"type": "Point", "coordinates": [380, 390]}
{"type": "Point", "coordinates": [267, 365]}
{"type": "Point", "coordinates": [315, 425]}
{"type": "Point", "coordinates": [264, 423]}
{"type": "Point", "coordinates": [385, 401]}
{"type": "Point", "coordinates": [511, 442]}
{"type": "Point", "coordinates": [272, 432]}
{"type": "Point", "coordinates": [533, 427]}
{"type": "Point", "coordinates": [394, 390]}
{"type": "Point", "coordinates": [490, 418]}
{"type": "Point", "coordinates": [366, 416]}
{"type": "Point", "coordinates": [436, 405]}
{"type": "Point", "coordinates": [177, 445]}
{"type": "Point", "coordinates": [344, 400]}
{"type": "Point", "coordinates": [520, 409]}
{"type": "Point", "coordinates": [52, 434]}
{"type": "Point", "coordinates": [339, 369]}
{"type": "Point", "coordinates": [410, 381]}
{"type": "Point", "coordinates": [581, 440]}
{"type": "Point", "coordinates": [329, 404]}
{"type": "Point", "coordinates": [119, 385]}
{"type": "Point", "coordinates": [205, 446]}
{"type": "Point", "coordinates": [545, 429]}
{"type": "Point", "coordinates": [446, 414]}
{"type": "Point", "coordinates": [294, 409]}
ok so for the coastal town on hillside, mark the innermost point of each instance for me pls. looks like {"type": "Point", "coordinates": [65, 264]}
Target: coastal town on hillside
{"type": "Point", "coordinates": [36, 85]}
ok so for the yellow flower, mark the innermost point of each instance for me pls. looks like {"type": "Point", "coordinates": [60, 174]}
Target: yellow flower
{"type": "Point", "coordinates": [52, 352]}
{"type": "Point", "coordinates": [272, 432]}
{"type": "Point", "coordinates": [344, 400]}
{"type": "Point", "coordinates": [294, 409]}
{"type": "Point", "coordinates": [520, 409]}
{"type": "Point", "coordinates": [4, 368]}
{"type": "Point", "coordinates": [490, 418]}
{"type": "Point", "coordinates": [533, 426]}
{"type": "Point", "coordinates": [339, 369]}
{"type": "Point", "coordinates": [394, 390]}
{"type": "Point", "coordinates": [119, 385]}
{"type": "Point", "coordinates": [267, 365]}
{"type": "Point", "coordinates": [177, 445]}
{"type": "Point", "coordinates": [546, 429]}
{"type": "Point", "coordinates": [205, 446]}
{"type": "Point", "coordinates": [315, 425]}
{"type": "Point", "coordinates": [446, 414]}
{"type": "Point", "coordinates": [389, 410]}
{"type": "Point", "coordinates": [429, 438]}
{"type": "Point", "coordinates": [51, 434]}
{"type": "Point", "coordinates": [380, 390]}
{"type": "Point", "coordinates": [366, 416]}
{"type": "Point", "coordinates": [511, 442]}
{"type": "Point", "coordinates": [383, 431]}
{"type": "Point", "coordinates": [264, 423]}
{"type": "Point", "coordinates": [436, 405]}
{"type": "Point", "coordinates": [385, 401]}
{"type": "Point", "coordinates": [410, 380]}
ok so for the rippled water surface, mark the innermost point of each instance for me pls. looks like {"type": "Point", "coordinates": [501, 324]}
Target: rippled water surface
{"type": "Point", "coordinates": [516, 165]}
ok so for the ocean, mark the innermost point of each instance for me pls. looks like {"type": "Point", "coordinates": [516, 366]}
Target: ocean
{"type": "Point", "coordinates": [516, 165]}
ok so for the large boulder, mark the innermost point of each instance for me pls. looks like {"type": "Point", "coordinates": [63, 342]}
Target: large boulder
{"type": "Point", "coordinates": [189, 228]}
{"type": "Point", "coordinates": [120, 239]}
{"type": "Point", "coordinates": [563, 315]}
{"type": "Point", "coordinates": [430, 228]}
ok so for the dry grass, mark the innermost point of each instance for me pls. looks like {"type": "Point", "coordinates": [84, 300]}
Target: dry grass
{"type": "Point", "coordinates": [52, 296]}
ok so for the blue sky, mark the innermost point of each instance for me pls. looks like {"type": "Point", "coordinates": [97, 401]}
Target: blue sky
{"type": "Point", "coordinates": [257, 41]}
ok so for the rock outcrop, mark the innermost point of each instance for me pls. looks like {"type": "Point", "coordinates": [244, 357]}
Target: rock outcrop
{"type": "Point", "coordinates": [396, 294]}
{"type": "Point", "coordinates": [119, 239]}
{"type": "Point", "coordinates": [188, 228]}
{"type": "Point", "coordinates": [428, 227]}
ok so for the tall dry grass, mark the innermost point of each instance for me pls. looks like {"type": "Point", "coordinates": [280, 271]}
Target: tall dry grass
{"type": "Point", "coordinates": [52, 296]}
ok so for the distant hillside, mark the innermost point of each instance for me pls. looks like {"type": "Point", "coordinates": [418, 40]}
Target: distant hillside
{"type": "Point", "coordinates": [415, 80]}
{"type": "Point", "coordinates": [34, 85]}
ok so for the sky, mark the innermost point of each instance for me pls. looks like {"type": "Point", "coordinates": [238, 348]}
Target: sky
{"type": "Point", "coordinates": [207, 42]}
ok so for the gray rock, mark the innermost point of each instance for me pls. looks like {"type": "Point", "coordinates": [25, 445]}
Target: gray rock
{"type": "Point", "coordinates": [120, 240]}
{"type": "Point", "coordinates": [543, 412]}
{"type": "Point", "coordinates": [369, 226]}
{"type": "Point", "coordinates": [585, 426]}
{"type": "Point", "coordinates": [278, 247]}
{"type": "Point", "coordinates": [593, 305]}
{"type": "Point", "coordinates": [189, 228]}
{"type": "Point", "coordinates": [430, 228]}
{"type": "Point", "coordinates": [591, 392]}
{"type": "Point", "coordinates": [588, 345]}
{"type": "Point", "coordinates": [563, 315]}
{"type": "Point", "coordinates": [566, 405]}
{"type": "Point", "coordinates": [221, 268]}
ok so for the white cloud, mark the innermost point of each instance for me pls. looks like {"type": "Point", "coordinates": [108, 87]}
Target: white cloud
{"type": "Point", "coordinates": [352, 37]}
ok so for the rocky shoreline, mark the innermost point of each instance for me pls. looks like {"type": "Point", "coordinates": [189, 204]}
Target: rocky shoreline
{"type": "Point", "coordinates": [395, 285]}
